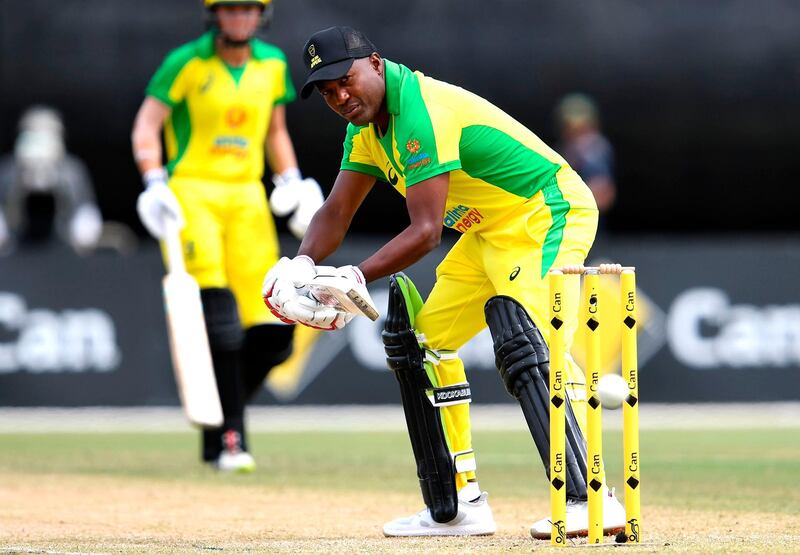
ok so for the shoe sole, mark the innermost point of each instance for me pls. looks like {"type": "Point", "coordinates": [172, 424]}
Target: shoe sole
{"type": "Point", "coordinates": [460, 531]}
{"type": "Point", "coordinates": [613, 531]}
{"type": "Point", "coordinates": [237, 470]}
{"type": "Point", "coordinates": [245, 470]}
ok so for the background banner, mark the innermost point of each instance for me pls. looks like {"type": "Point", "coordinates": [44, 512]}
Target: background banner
{"type": "Point", "coordinates": [719, 322]}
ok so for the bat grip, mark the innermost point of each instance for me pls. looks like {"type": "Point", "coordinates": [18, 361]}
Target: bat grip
{"type": "Point", "coordinates": [172, 239]}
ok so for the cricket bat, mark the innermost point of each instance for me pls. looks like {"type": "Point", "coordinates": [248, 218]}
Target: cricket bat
{"type": "Point", "coordinates": [191, 355]}
{"type": "Point", "coordinates": [334, 291]}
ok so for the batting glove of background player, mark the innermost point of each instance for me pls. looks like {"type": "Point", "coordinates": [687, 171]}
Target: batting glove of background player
{"type": "Point", "coordinates": [292, 193]}
{"type": "Point", "coordinates": [158, 202]}
{"type": "Point", "coordinates": [283, 282]}
{"type": "Point", "coordinates": [285, 198]}
{"type": "Point", "coordinates": [310, 201]}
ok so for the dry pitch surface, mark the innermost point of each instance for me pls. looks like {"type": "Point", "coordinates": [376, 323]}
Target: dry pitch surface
{"type": "Point", "coordinates": [58, 514]}
{"type": "Point", "coordinates": [732, 491]}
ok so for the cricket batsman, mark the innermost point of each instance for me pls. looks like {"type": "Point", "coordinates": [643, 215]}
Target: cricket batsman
{"type": "Point", "coordinates": [220, 101]}
{"type": "Point", "coordinates": [463, 163]}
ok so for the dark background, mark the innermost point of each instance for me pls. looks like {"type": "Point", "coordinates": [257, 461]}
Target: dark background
{"type": "Point", "coordinates": [700, 99]}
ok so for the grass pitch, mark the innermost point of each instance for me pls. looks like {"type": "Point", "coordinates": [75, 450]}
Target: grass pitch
{"type": "Point", "coordinates": [718, 491]}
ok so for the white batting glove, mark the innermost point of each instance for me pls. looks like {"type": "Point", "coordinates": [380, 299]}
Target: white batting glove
{"type": "Point", "coordinates": [354, 279]}
{"type": "Point", "coordinates": [285, 198]}
{"type": "Point", "coordinates": [311, 200]}
{"type": "Point", "coordinates": [158, 202]}
{"type": "Point", "coordinates": [312, 313]}
{"type": "Point", "coordinates": [284, 281]}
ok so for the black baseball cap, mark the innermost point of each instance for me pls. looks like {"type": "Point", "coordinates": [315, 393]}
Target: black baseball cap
{"type": "Point", "coordinates": [329, 53]}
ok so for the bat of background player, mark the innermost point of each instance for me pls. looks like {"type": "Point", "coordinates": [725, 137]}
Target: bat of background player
{"type": "Point", "coordinates": [191, 355]}
{"type": "Point", "coordinates": [338, 292]}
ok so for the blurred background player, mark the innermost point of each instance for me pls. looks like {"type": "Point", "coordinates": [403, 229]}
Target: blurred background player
{"type": "Point", "coordinates": [586, 149]}
{"type": "Point", "coordinates": [44, 189]}
{"type": "Point", "coordinates": [220, 100]}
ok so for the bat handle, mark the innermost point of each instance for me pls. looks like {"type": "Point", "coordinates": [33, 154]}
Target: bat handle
{"type": "Point", "coordinates": [172, 239]}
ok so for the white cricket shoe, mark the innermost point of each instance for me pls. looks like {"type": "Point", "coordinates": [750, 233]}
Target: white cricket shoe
{"type": "Point", "coordinates": [474, 518]}
{"type": "Point", "coordinates": [237, 462]}
{"type": "Point", "coordinates": [578, 518]}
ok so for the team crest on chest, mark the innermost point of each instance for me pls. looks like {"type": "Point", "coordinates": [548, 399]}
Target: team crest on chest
{"type": "Point", "coordinates": [413, 146]}
{"type": "Point", "coordinates": [235, 116]}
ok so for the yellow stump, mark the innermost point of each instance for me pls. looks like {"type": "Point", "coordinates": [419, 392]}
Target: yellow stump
{"type": "Point", "coordinates": [594, 418]}
{"type": "Point", "coordinates": [558, 475]}
{"type": "Point", "coordinates": [630, 408]}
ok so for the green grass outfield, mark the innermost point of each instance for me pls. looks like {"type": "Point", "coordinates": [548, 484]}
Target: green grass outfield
{"type": "Point", "coordinates": [747, 470]}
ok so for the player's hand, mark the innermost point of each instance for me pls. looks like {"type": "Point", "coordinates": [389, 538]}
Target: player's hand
{"type": "Point", "coordinates": [158, 202]}
{"type": "Point", "coordinates": [311, 200]}
{"type": "Point", "coordinates": [351, 278]}
{"type": "Point", "coordinates": [283, 282]}
{"type": "Point", "coordinates": [310, 312]}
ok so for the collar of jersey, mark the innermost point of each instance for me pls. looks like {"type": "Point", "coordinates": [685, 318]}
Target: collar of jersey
{"type": "Point", "coordinates": [205, 46]}
{"type": "Point", "coordinates": [393, 84]}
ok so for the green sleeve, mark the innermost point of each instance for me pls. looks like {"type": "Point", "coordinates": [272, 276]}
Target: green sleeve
{"type": "Point", "coordinates": [162, 84]}
{"type": "Point", "coordinates": [265, 51]}
{"type": "Point", "coordinates": [289, 93]}
{"type": "Point", "coordinates": [421, 132]}
{"type": "Point", "coordinates": [356, 157]}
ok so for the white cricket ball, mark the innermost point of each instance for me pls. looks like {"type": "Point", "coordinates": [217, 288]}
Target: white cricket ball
{"type": "Point", "coordinates": [612, 390]}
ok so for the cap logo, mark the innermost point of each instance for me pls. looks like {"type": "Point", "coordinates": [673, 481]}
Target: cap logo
{"type": "Point", "coordinates": [315, 60]}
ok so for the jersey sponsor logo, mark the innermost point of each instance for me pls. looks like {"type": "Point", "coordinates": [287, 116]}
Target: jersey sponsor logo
{"type": "Point", "coordinates": [417, 158]}
{"type": "Point", "coordinates": [231, 144]}
{"type": "Point", "coordinates": [461, 218]}
{"type": "Point", "coordinates": [452, 216]}
{"type": "Point", "coordinates": [235, 116]}
{"type": "Point", "coordinates": [422, 160]}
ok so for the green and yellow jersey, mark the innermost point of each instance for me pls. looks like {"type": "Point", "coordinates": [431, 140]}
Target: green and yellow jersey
{"type": "Point", "coordinates": [220, 114]}
{"type": "Point", "coordinates": [496, 164]}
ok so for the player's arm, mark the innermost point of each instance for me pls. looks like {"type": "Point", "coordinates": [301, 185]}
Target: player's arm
{"type": "Point", "coordinates": [146, 135]}
{"type": "Point", "coordinates": [332, 220]}
{"type": "Point", "coordinates": [292, 192]}
{"type": "Point", "coordinates": [156, 201]}
{"type": "Point", "coordinates": [426, 205]}
{"type": "Point", "coordinates": [604, 191]}
{"type": "Point", "coordinates": [280, 152]}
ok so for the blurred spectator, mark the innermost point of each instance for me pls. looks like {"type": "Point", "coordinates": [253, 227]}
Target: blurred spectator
{"type": "Point", "coordinates": [586, 149]}
{"type": "Point", "coordinates": [44, 189]}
